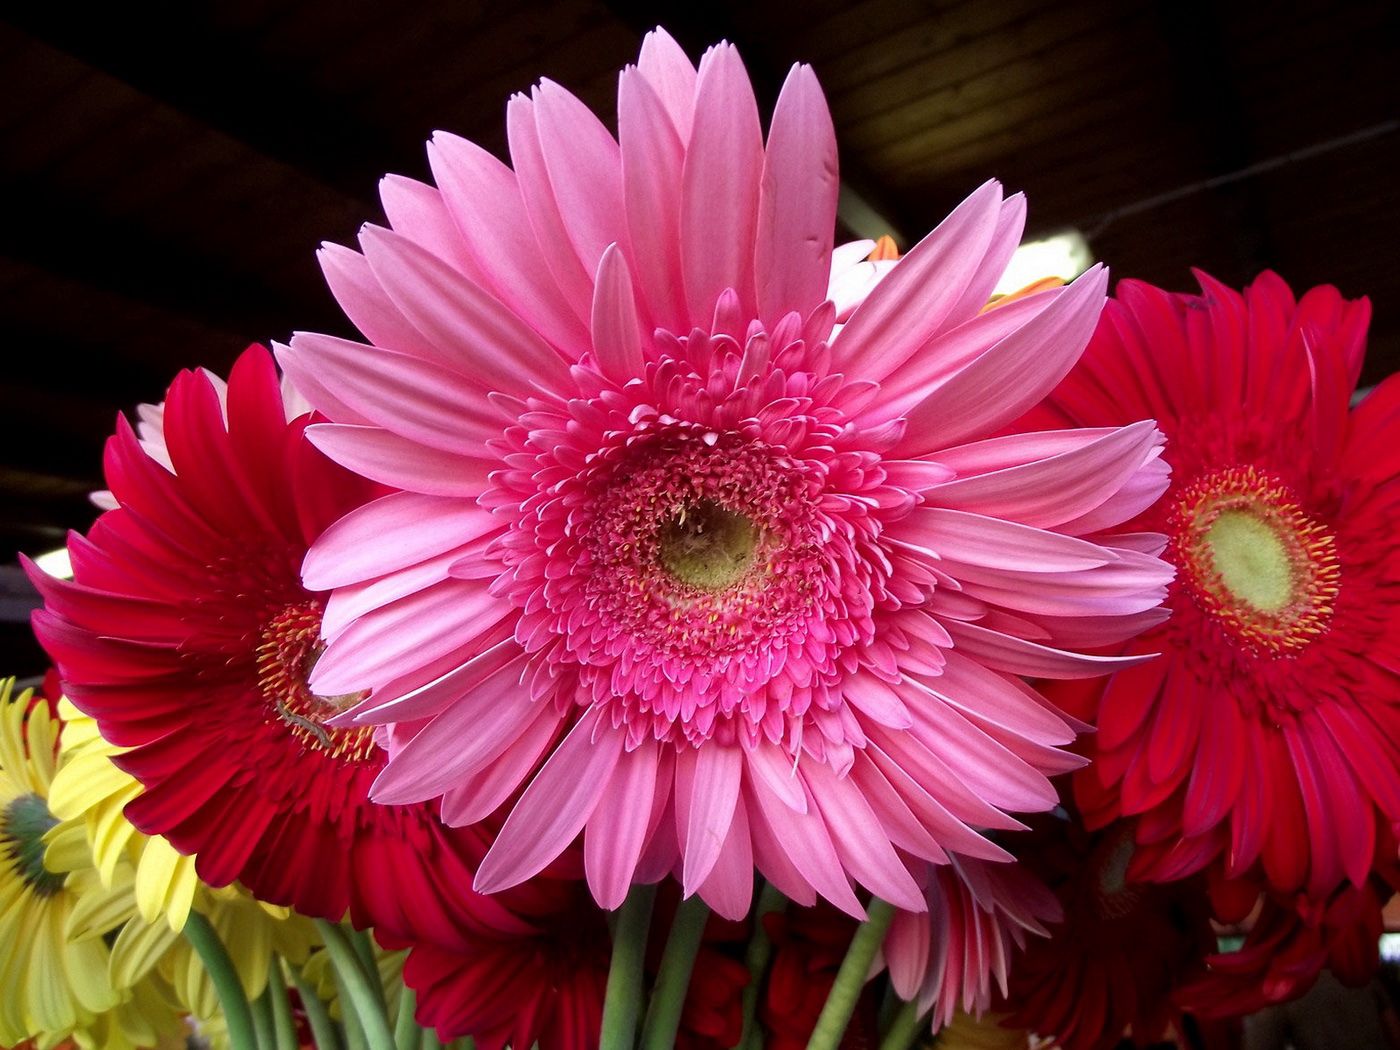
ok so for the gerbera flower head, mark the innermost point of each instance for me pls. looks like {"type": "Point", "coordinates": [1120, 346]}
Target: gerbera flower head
{"type": "Point", "coordinates": [1119, 950]}
{"type": "Point", "coordinates": [544, 987]}
{"type": "Point", "coordinates": [1268, 732]}
{"type": "Point", "coordinates": [671, 538]}
{"type": "Point", "coordinates": [187, 634]}
{"type": "Point", "coordinates": [1291, 940]}
{"type": "Point", "coordinates": [54, 983]}
{"type": "Point", "coordinates": [957, 954]}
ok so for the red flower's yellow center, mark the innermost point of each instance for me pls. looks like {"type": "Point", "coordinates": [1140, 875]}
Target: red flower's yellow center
{"type": "Point", "coordinates": [1253, 561]}
{"type": "Point", "coordinates": [291, 645]}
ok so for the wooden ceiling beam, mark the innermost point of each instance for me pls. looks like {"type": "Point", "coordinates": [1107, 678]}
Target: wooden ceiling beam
{"type": "Point", "coordinates": [175, 52]}
{"type": "Point", "coordinates": [57, 233]}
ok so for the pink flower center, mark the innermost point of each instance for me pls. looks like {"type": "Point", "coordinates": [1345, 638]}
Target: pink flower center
{"type": "Point", "coordinates": [700, 552]}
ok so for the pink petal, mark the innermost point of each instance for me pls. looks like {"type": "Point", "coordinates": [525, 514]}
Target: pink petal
{"type": "Point", "coordinates": [906, 951]}
{"type": "Point", "coordinates": [1019, 371]}
{"type": "Point", "coordinates": [483, 197]}
{"type": "Point", "coordinates": [861, 840]}
{"type": "Point", "coordinates": [391, 533]}
{"type": "Point", "coordinates": [421, 400]}
{"type": "Point", "coordinates": [418, 211]}
{"type": "Point", "coordinates": [459, 741]}
{"type": "Point", "coordinates": [405, 634]}
{"type": "Point", "coordinates": [617, 831]}
{"type": "Point", "coordinates": [914, 301]}
{"type": "Point", "coordinates": [575, 281]}
{"type": "Point", "coordinates": [797, 201]}
{"type": "Point", "coordinates": [585, 173]}
{"type": "Point", "coordinates": [671, 76]}
{"type": "Point", "coordinates": [652, 160]}
{"type": "Point", "coordinates": [479, 794]}
{"type": "Point", "coordinates": [443, 691]}
{"type": "Point", "coordinates": [876, 700]}
{"type": "Point", "coordinates": [803, 838]}
{"type": "Point", "coordinates": [1018, 656]}
{"type": "Point", "coordinates": [398, 462]}
{"type": "Point", "coordinates": [617, 343]}
{"type": "Point", "coordinates": [705, 802]}
{"type": "Point", "coordinates": [351, 601]}
{"type": "Point", "coordinates": [729, 887]}
{"type": "Point", "coordinates": [975, 539]}
{"type": "Point", "coordinates": [469, 330]}
{"type": "Point", "coordinates": [554, 808]}
{"type": "Point", "coordinates": [368, 306]}
{"type": "Point", "coordinates": [719, 186]}
{"type": "Point", "coordinates": [779, 775]}
{"type": "Point", "coordinates": [1006, 238]}
{"type": "Point", "coordinates": [968, 685]}
{"type": "Point", "coordinates": [1048, 492]}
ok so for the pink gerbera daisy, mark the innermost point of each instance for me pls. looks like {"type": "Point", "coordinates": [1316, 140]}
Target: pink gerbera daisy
{"type": "Point", "coordinates": [187, 634]}
{"type": "Point", "coordinates": [957, 954]}
{"type": "Point", "coordinates": [1268, 732]}
{"type": "Point", "coordinates": [719, 584]}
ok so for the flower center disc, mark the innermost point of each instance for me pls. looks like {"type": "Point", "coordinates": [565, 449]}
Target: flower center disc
{"type": "Point", "coordinates": [708, 546]}
{"type": "Point", "coordinates": [23, 824]}
{"type": "Point", "coordinates": [1113, 897]}
{"type": "Point", "coordinates": [291, 645]}
{"type": "Point", "coordinates": [1253, 560]}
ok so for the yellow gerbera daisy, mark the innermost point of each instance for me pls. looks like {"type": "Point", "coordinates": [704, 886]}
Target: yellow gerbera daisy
{"type": "Point", "coordinates": [89, 795]}
{"type": "Point", "coordinates": [52, 983]}
{"type": "Point", "coordinates": [966, 1032]}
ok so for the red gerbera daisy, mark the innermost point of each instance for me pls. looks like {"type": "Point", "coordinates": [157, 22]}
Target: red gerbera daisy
{"type": "Point", "coordinates": [1289, 944]}
{"type": "Point", "coordinates": [187, 634]}
{"type": "Point", "coordinates": [1120, 952]}
{"type": "Point", "coordinates": [542, 987]}
{"type": "Point", "coordinates": [1268, 732]}
{"type": "Point", "coordinates": [545, 987]}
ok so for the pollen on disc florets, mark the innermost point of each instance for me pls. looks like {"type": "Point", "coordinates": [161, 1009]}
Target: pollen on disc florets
{"type": "Point", "coordinates": [288, 650]}
{"type": "Point", "coordinates": [1253, 561]}
{"type": "Point", "coordinates": [23, 824]}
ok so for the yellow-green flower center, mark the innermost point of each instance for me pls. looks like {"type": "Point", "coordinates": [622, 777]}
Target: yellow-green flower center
{"type": "Point", "coordinates": [23, 824]}
{"type": "Point", "coordinates": [1253, 561]}
{"type": "Point", "coordinates": [708, 546]}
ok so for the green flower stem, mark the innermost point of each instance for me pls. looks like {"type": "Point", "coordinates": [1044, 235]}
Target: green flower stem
{"type": "Point", "coordinates": [365, 997]}
{"type": "Point", "coordinates": [760, 950]}
{"type": "Point", "coordinates": [349, 1026]}
{"type": "Point", "coordinates": [905, 1028]}
{"type": "Point", "coordinates": [672, 982]}
{"type": "Point", "coordinates": [365, 950]}
{"type": "Point", "coordinates": [238, 1015]}
{"type": "Point", "coordinates": [406, 1035]}
{"type": "Point", "coordinates": [323, 1032]}
{"type": "Point", "coordinates": [262, 1017]}
{"type": "Point", "coordinates": [284, 1029]}
{"type": "Point", "coordinates": [850, 979]}
{"type": "Point", "coordinates": [429, 1040]}
{"type": "Point", "coordinates": [622, 1004]}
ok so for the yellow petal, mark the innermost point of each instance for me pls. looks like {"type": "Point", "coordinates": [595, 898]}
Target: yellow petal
{"type": "Point", "coordinates": [138, 948]}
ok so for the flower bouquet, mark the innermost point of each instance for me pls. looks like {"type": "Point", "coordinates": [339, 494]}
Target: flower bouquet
{"type": "Point", "coordinates": [667, 628]}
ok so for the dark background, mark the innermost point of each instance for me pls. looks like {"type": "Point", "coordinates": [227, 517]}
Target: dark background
{"type": "Point", "coordinates": [169, 169]}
